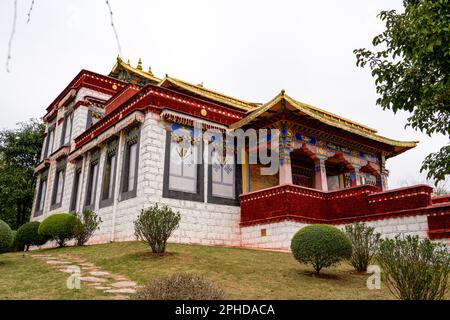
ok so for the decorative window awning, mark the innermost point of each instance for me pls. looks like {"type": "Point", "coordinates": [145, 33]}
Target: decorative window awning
{"type": "Point", "coordinates": [42, 166]}
{"type": "Point", "coordinates": [186, 120]}
{"type": "Point", "coordinates": [136, 116]}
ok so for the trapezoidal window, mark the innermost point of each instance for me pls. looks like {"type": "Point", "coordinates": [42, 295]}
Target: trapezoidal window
{"type": "Point", "coordinates": [42, 190]}
{"type": "Point", "coordinates": [109, 174]}
{"type": "Point", "coordinates": [224, 175]}
{"type": "Point", "coordinates": [183, 172]}
{"type": "Point", "coordinates": [58, 184]}
{"type": "Point", "coordinates": [130, 164]}
{"type": "Point", "coordinates": [76, 188]}
{"type": "Point", "coordinates": [91, 188]}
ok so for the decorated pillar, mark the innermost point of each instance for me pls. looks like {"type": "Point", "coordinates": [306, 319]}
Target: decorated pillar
{"type": "Point", "coordinates": [381, 179]}
{"type": "Point", "coordinates": [320, 174]}
{"type": "Point", "coordinates": [354, 176]}
{"type": "Point", "coordinates": [245, 171]}
{"type": "Point", "coordinates": [285, 170]}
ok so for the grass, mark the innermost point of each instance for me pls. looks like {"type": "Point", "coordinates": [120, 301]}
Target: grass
{"type": "Point", "coordinates": [241, 273]}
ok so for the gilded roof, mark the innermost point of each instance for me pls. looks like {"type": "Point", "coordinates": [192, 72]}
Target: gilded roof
{"type": "Point", "coordinates": [210, 94]}
{"type": "Point", "coordinates": [255, 110]}
{"type": "Point", "coordinates": [120, 64]}
{"type": "Point", "coordinates": [324, 117]}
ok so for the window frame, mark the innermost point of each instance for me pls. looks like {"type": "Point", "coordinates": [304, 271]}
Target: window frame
{"type": "Point", "coordinates": [67, 117]}
{"type": "Point", "coordinates": [111, 151]}
{"type": "Point", "coordinates": [237, 184]}
{"type": "Point", "coordinates": [60, 167]}
{"type": "Point", "coordinates": [92, 182]}
{"type": "Point", "coordinates": [77, 180]}
{"type": "Point", "coordinates": [199, 196]}
{"type": "Point", "coordinates": [125, 195]}
{"type": "Point", "coordinates": [42, 178]}
{"type": "Point", "coordinates": [51, 130]}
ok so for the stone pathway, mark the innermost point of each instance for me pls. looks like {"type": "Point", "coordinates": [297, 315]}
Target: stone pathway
{"type": "Point", "coordinates": [91, 275]}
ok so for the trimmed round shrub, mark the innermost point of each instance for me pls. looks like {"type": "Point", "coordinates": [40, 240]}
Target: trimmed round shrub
{"type": "Point", "coordinates": [59, 227]}
{"type": "Point", "coordinates": [6, 236]}
{"type": "Point", "coordinates": [28, 235]}
{"type": "Point", "coordinates": [320, 245]}
{"type": "Point", "coordinates": [182, 286]}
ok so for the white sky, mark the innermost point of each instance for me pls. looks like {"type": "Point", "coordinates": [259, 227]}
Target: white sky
{"type": "Point", "coordinates": [250, 49]}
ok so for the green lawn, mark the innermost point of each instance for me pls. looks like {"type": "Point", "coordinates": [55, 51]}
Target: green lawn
{"type": "Point", "coordinates": [242, 273]}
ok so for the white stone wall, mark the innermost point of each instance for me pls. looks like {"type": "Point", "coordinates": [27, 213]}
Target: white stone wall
{"type": "Point", "coordinates": [201, 222]}
{"type": "Point", "coordinates": [279, 235]}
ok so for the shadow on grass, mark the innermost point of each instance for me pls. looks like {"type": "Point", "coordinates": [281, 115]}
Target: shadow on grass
{"type": "Point", "coordinates": [148, 255]}
{"type": "Point", "coordinates": [321, 275]}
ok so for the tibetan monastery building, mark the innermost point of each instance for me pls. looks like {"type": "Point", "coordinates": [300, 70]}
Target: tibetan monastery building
{"type": "Point", "coordinates": [119, 143]}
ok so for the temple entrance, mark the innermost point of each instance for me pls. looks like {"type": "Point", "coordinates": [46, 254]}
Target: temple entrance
{"type": "Point", "coordinates": [302, 169]}
{"type": "Point", "coordinates": [338, 172]}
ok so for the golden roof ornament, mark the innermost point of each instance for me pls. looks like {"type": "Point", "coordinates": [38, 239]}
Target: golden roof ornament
{"type": "Point", "coordinates": [200, 84]}
{"type": "Point", "coordinates": [128, 62]}
{"type": "Point", "coordinates": [139, 65]}
{"type": "Point", "coordinates": [150, 70]}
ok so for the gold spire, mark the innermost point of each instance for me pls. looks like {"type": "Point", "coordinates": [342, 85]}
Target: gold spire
{"type": "Point", "coordinates": [128, 62]}
{"type": "Point", "coordinates": [150, 70]}
{"type": "Point", "coordinates": [282, 92]}
{"type": "Point", "coordinates": [139, 65]}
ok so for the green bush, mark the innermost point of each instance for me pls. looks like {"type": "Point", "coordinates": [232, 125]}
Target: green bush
{"type": "Point", "coordinates": [320, 245]}
{"type": "Point", "coordinates": [28, 235]}
{"type": "Point", "coordinates": [365, 242]}
{"type": "Point", "coordinates": [6, 236]}
{"type": "Point", "coordinates": [15, 247]}
{"type": "Point", "coordinates": [180, 287]}
{"type": "Point", "coordinates": [59, 227]}
{"type": "Point", "coordinates": [90, 222]}
{"type": "Point", "coordinates": [155, 225]}
{"type": "Point", "coordinates": [414, 269]}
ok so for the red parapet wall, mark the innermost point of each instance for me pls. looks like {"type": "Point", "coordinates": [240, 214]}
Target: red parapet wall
{"type": "Point", "coordinates": [441, 199]}
{"type": "Point", "coordinates": [439, 225]}
{"type": "Point", "coordinates": [291, 202]}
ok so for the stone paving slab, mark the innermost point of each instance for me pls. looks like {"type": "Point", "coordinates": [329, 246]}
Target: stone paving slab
{"type": "Point", "coordinates": [92, 279]}
{"type": "Point", "coordinates": [123, 290]}
{"type": "Point", "coordinates": [124, 284]}
{"type": "Point", "coordinates": [99, 273]}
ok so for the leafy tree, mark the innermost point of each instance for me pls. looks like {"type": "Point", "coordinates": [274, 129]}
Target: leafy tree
{"type": "Point", "coordinates": [19, 154]}
{"type": "Point", "coordinates": [411, 71]}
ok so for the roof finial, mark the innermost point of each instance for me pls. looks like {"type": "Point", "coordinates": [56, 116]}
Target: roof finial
{"type": "Point", "coordinates": [150, 70]}
{"type": "Point", "coordinates": [128, 62]}
{"type": "Point", "coordinates": [200, 84]}
{"type": "Point", "coordinates": [139, 65]}
{"type": "Point", "coordinates": [282, 92]}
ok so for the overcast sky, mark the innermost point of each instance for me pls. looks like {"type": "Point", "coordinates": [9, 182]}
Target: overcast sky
{"type": "Point", "coordinates": [247, 49]}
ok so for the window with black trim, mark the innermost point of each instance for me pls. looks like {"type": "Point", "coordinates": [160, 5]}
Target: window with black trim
{"type": "Point", "coordinates": [109, 174]}
{"type": "Point", "coordinates": [224, 175]}
{"type": "Point", "coordinates": [183, 168]}
{"type": "Point", "coordinates": [67, 128]}
{"type": "Point", "coordinates": [50, 141]}
{"type": "Point", "coordinates": [91, 187]}
{"type": "Point", "coordinates": [58, 184]}
{"type": "Point", "coordinates": [130, 164]}
{"type": "Point", "coordinates": [42, 191]}
{"type": "Point", "coordinates": [76, 189]}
